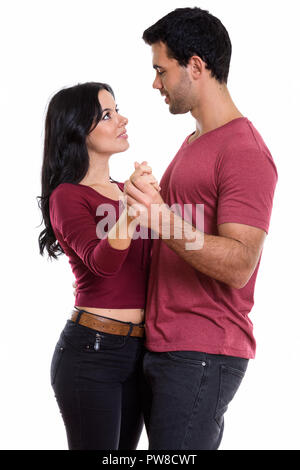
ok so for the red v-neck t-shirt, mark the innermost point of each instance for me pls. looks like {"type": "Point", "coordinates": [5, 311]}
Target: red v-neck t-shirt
{"type": "Point", "coordinates": [231, 172]}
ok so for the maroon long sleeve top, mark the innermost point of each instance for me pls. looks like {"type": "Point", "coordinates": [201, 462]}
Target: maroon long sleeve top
{"type": "Point", "coordinates": [106, 277]}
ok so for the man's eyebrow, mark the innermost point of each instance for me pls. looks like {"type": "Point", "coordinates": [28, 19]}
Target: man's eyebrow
{"type": "Point", "coordinates": [155, 66]}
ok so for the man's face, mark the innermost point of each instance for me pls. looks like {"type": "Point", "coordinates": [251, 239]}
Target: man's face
{"type": "Point", "coordinates": [172, 80]}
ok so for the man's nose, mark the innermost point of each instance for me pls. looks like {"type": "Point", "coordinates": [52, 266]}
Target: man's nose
{"type": "Point", "coordinates": [157, 84]}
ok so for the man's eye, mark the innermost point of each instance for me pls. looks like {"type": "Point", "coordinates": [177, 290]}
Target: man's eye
{"type": "Point", "coordinates": [160, 73]}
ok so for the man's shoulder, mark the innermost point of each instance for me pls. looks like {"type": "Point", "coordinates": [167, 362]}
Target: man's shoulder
{"type": "Point", "coordinates": [244, 138]}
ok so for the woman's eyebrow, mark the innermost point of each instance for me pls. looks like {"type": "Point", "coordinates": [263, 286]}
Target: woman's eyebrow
{"type": "Point", "coordinates": [109, 109]}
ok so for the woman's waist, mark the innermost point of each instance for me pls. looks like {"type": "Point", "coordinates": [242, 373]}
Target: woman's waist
{"type": "Point", "coordinates": [134, 315]}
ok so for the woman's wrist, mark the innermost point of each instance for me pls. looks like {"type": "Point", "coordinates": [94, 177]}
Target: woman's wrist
{"type": "Point", "coordinates": [118, 236]}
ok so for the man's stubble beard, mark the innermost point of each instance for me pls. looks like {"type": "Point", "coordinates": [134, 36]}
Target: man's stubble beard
{"type": "Point", "coordinates": [180, 101]}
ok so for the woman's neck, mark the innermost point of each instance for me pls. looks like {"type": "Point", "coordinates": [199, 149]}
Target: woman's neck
{"type": "Point", "coordinates": [98, 172]}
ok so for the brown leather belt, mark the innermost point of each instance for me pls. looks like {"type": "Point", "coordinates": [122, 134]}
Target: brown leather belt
{"type": "Point", "coordinates": [107, 325]}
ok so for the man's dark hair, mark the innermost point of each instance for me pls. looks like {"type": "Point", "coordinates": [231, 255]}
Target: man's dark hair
{"type": "Point", "coordinates": [193, 31]}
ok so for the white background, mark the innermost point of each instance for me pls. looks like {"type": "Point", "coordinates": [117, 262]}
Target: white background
{"type": "Point", "coordinates": [52, 44]}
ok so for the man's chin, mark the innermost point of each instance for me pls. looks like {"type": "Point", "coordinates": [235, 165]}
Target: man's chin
{"type": "Point", "coordinates": [177, 110]}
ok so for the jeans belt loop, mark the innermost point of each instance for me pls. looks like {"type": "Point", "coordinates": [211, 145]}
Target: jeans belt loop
{"type": "Point", "coordinates": [80, 312]}
{"type": "Point", "coordinates": [130, 329]}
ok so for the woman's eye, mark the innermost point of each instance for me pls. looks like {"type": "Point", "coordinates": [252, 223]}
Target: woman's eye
{"type": "Point", "coordinates": [107, 116]}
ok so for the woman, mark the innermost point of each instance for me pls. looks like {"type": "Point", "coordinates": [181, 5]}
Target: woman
{"type": "Point", "coordinates": [96, 368]}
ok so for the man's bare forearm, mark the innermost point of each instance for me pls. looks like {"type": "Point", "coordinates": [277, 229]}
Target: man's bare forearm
{"type": "Point", "coordinates": [222, 258]}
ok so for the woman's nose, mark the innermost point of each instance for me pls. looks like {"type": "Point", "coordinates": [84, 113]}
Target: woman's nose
{"type": "Point", "coordinates": [123, 121]}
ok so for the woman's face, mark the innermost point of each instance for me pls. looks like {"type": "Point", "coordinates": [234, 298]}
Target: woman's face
{"type": "Point", "coordinates": [109, 136]}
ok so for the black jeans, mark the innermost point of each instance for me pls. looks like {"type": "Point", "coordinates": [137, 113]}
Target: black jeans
{"type": "Point", "coordinates": [185, 396]}
{"type": "Point", "coordinates": [97, 384]}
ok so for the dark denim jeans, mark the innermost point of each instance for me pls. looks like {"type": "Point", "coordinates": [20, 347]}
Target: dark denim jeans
{"type": "Point", "coordinates": [185, 396]}
{"type": "Point", "coordinates": [97, 383]}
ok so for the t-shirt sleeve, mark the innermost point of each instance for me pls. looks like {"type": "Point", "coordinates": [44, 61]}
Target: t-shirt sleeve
{"type": "Point", "coordinates": [71, 216]}
{"type": "Point", "coordinates": [246, 182]}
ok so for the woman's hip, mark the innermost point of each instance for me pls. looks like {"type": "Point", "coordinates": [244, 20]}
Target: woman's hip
{"type": "Point", "coordinates": [83, 355]}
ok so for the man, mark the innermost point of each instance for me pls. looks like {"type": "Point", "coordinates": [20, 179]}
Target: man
{"type": "Point", "coordinates": [199, 335]}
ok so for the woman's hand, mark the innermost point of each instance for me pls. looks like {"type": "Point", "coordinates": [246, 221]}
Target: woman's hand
{"type": "Point", "coordinates": [143, 169]}
{"type": "Point", "coordinates": [142, 196]}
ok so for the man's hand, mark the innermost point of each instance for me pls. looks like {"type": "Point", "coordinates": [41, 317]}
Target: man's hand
{"type": "Point", "coordinates": [75, 288]}
{"type": "Point", "coordinates": [143, 199]}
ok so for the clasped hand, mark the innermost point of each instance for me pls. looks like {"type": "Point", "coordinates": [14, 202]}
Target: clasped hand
{"type": "Point", "coordinates": [142, 194]}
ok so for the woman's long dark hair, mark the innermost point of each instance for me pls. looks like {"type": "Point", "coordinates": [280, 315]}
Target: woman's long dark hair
{"type": "Point", "coordinates": [72, 114]}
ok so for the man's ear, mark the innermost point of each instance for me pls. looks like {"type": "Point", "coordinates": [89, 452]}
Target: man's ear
{"type": "Point", "coordinates": [197, 66]}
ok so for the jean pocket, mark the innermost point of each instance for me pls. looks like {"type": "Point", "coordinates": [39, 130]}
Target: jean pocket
{"type": "Point", "coordinates": [230, 380]}
{"type": "Point", "coordinates": [87, 340]}
{"type": "Point", "coordinates": [104, 342]}
{"type": "Point", "coordinates": [188, 357]}
{"type": "Point", "coordinates": [56, 360]}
